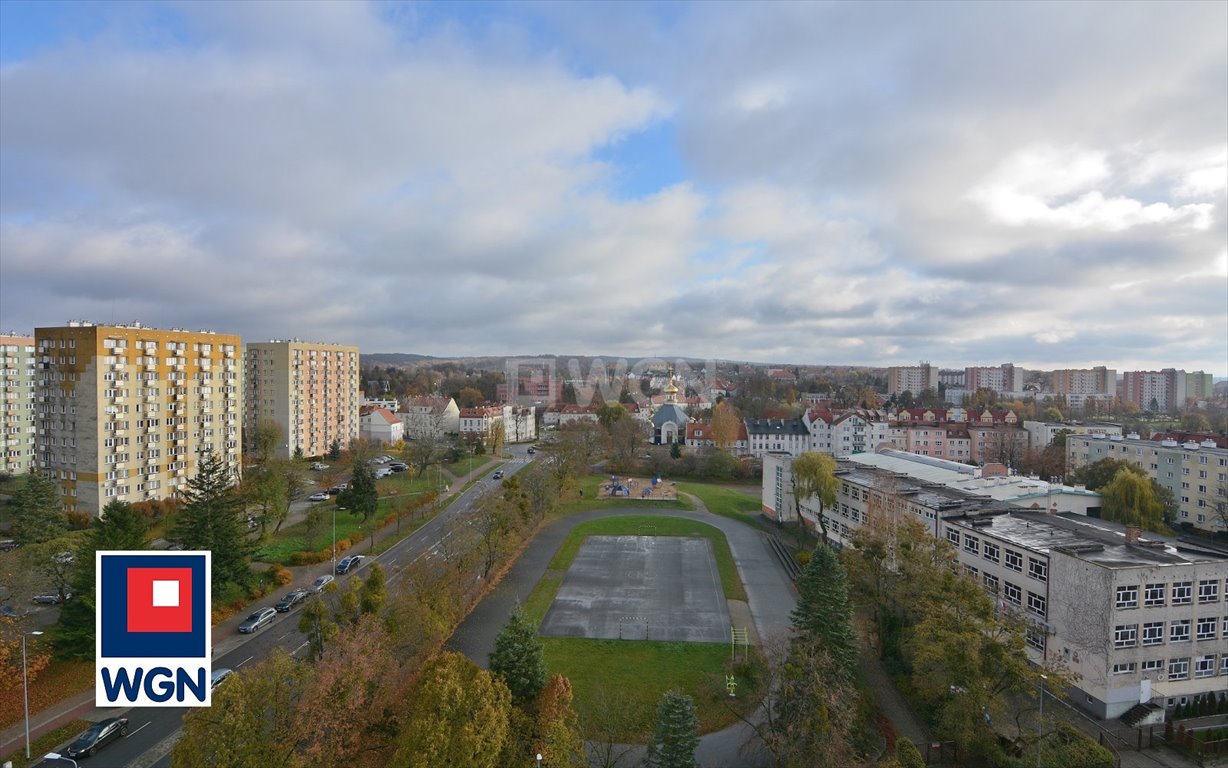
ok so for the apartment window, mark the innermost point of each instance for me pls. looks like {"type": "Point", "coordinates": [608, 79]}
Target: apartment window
{"type": "Point", "coordinates": [1204, 666]}
{"type": "Point", "coordinates": [1182, 592]}
{"type": "Point", "coordinates": [1035, 637]}
{"type": "Point", "coordinates": [1127, 597]}
{"type": "Point", "coordinates": [991, 552]}
{"type": "Point", "coordinates": [1153, 595]}
{"type": "Point", "coordinates": [1179, 631]}
{"type": "Point", "coordinates": [1037, 604]}
{"type": "Point", "coordinates": [1038, 569]}
{"type": "Point", "coordinates": [953, 536]}
{"type": "Point", "coordinates": [1125, 635]}
{"type": "Point", "coordinates": [1152, 665]}
{"type": "Point", "coordinates": [1179, 669]}
{"type": "Point", "coordinates": [1153, 633]}
{"type": "Point", "coordinates": [1124, 669]}
{"type": "Point", "coordinates": [1208, 591]}
{"type": "Point", "coordinates": [972, 544]}
{"type": "Point", "coordinates": [1014, 560]}
{"type": "Point", "coordinates": [991, 583]}
{"type": "Point", "coordinates": [1205, 629]}
{"type": "Point", "coordinates": [1012, 593]}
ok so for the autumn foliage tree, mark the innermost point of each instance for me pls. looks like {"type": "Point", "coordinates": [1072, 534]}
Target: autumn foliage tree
{"type": "Point", "coordinates": [814, 476]}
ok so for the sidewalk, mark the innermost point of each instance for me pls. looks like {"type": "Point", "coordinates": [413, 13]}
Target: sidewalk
{"type": "Point", "coordinates": [226, 638]}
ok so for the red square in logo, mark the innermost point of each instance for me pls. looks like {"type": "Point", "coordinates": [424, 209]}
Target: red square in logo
{"type": "Point", "coordinates": [159, 599]}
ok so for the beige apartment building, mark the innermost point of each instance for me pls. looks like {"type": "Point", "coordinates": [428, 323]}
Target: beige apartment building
{"type": "Point", "coordinates": [17, 404]}
{"type": "Point", "coordinates": [310, 389]}
{"type": "Point", "coordinates": [126, 412]}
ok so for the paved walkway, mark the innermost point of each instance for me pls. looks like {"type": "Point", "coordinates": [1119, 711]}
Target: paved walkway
{"type": "Point", "coordinates": [81, 706]}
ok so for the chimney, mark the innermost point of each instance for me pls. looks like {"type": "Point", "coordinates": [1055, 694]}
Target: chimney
{"type": "Point", "coordinates": [1132, 534]}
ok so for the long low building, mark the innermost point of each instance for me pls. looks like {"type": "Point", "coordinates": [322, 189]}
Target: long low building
{"type": "Point", "coordinates": [1142, 621]}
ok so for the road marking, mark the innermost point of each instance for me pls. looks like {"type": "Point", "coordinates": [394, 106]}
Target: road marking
{"type": "Point", "coordinates": [241, 663]}
{"type": "Point", "coordinates": [301, 647]}
{"type": "Point", "coordinates": [138, 730]}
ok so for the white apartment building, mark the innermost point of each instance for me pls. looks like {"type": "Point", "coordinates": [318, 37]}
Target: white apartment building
{"type": "Point", "coordinates": [126, 412]}
{"type": "Point", "coordinates": [1041, 433]}
{"type": "Point", "coordinates": [775, 435]}
{"type": "Point", "coordinates": [18, 414]}
{"type": "Point", "coordinates": [519, 425]}
{"type": "Point", "coordinates": [1000, 378]}
{"type": "Point", "coordinates": [310, 389]}
{"type": "Point", "coordinates": [1139, 623]}
{"type": "Point", "coordinates": [430, 418]}
{"type": "Point", "coordinates": [1196, 473]}
{"type": "Point", "coordinates": [846, 433]}
{"type": "Point", "coordinates": [380, 426]}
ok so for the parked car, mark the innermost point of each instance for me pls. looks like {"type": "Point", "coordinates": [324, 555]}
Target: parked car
{"type": "Point", "coordinates": [319, 584]}
{"type": "Point", "coordinates": [97, 736]}
{"type": "Point", "coordinates": [347, 564]}
{"type": "Point", "coordinates": [382, 472]}
{"type": "Point", "coordinates": [532, 450]}
{"type": "Point", "coordinates": [498, 474]}
{"type": "Point", "coordinates": [318, 496]}
{"type": "Point", "coordinates": [399, 466]}
{"type": "Point", "coordinates": [63, 558]}
{"type": "Point", "coordinates": [219, 674]}
{"type": "Point", "coordinates": [50, 597]}
{"type": "Point", "coordinates": [319, 467]}
{"type": "Point", "coordinates": [336, 489]}
{"type": "Point", "coordinates": [292, 598]}
{"type": "Point", "coordinates": [8, 545]}
{"type": "Point", "coordinates": [258, 620]}
{"type": "Point", "coordinates": [9, 612]}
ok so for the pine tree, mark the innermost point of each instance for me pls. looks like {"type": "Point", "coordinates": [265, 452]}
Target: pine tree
{"type": "Point", "coordinates": [518, 658]}
{"type": "Point", "coordinates": [37, 513]}
{"type": "Point", "coordinates": [823, 614]}
{"type": "Point", "coordinates": [360, 496]}
{"type": "Point", "coordinates": [334, 451]}
{"type": "Point", "coordinates": [211, 519]}
{"type": "Point", "coordinates": [120, 527]}
{"type": "Point", "coordinates": [675, 738]}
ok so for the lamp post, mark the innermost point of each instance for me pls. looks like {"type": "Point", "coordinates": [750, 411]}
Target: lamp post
{"type": "Point", "coordinates": [1040, 720]}
{"type": "Point", "coordinates": [539, 760]}
{"type": "Point", "coordinates": [334, 537]}
{"type": "Point", "coordinates": [58, 756]}
{"type": "Point", "coordinates": [25, 687]}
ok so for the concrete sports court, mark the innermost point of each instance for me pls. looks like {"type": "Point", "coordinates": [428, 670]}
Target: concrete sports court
{"type": "Point", "coordinates": [641, 588]}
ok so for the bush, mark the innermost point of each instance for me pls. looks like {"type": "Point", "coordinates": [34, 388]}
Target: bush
{"type": "Point", "coordinates": [908, 754]}
{"type": "Point", "coordinates": [281, 575]}
{"type": "Point", "coordinates": [802, 558]}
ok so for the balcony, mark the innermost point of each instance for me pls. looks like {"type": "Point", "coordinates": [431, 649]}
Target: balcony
{"type": "Point", "coordinates": [119, 366]}
{"type": "Point", "coordinates": [151, 366]}
{"type": "Point", "coordinates": [178, 367]}
{"type": "Point", "coordinates": [121, 432]}
{"type": "Point", "coordinates": [151, 398]}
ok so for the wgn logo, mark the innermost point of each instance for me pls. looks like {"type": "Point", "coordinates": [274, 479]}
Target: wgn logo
{"type": "Point", "coordinates": [153, 638]}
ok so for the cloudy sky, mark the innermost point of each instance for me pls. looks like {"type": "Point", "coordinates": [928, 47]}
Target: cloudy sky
{"type": "Point", "coordinates": [861, 183]}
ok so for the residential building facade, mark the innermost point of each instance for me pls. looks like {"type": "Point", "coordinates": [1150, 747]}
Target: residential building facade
{"type": "Point", "coordinates": [1196, 473]}
{"type": "Point", "coordinates": [309, 389]}
{"type": "Point", "coordinates": [18, 406]}
{"type": "Point", "coordinates": [126, 412]}
{"type": "Point", "coordinates": [912, 378]}
{"type": "Point", "coordinates": [430, 418]}
{"type": "Point", "coordinates": [1000, 378]}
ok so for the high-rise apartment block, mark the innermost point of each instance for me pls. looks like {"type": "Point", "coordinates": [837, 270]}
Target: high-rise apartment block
{"type": "Point", "coordinates": [309, 389]}
{"type": "Point", "coordinates": [912, 378]}
{"type": "Point", "coordinates": [17, 404]}
{"type": "Point", "coordinates": [1085, 381]}
{"type": "Point", "coordinates": [1000, 378]}
{"type": "Point", "coordinates": [127, 412]}
{"type": "Point", "coordinates": [1164, 390]}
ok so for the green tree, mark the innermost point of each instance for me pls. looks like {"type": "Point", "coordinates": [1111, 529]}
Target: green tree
{"type": "Point", "coordinates": [37, 513]}
{"type": "Point", "coordinates": [334, 451]}
{"type": "Point", "coordinates": [212, 519]}
{"type": "Point", "coordinates": [119, 527]}
{"type": "Point", "coordinates": [317, 625]}
{"type": "Point", "coordinates": [1130, 499]}
{"type": "Point", "coordinates": [374, 592]}
{"type": "Point", "coordinates": [518, 658]}
{"type": "Point", "coordinates": [823, 614]}
{"type": "Point", "coordinates": [611, 413]}
{"type": "Point", "coordinates": [908, 754]}
{"type": "Point", "coordinates": [1100, 473]}
{"type": "Point", "coordinates": [1195, 422]}
{"type": "Point", "coordinates": [814, 476]}
{"type": "Point", "coordinates": [265, 438]}
{"type": "Point", "coordinates": [360, 496]}
{"type": "Point", "coordinates": [675, 736]}
{"type": "Point", "coordinates": [458, 717]}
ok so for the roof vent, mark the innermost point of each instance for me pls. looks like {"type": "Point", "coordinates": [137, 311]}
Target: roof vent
{"type": "Point", "coordinates": [1191, 445]}
{"type": "Point", "coordinates": [1170, 443]}
{"type": "Point", "coordinates": [1208, 444]}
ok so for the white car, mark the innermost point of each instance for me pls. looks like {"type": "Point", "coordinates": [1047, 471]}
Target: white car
{"type": "Point", "coordinates": [320, 583]}
{"type": "Point", "coordinates": [319, 467]}
{"type": "Point", "coordinates": [318, 496]}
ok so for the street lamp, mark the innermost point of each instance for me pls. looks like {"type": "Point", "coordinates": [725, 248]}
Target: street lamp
{"type": "Point", "coordinates": [1040, 720]}
{"type": "Point", "coordinates": [25, 687]}
{"type": "Point", "coordinates": [58, 756]}
{"type": "Point", "coordinates": [539, 760]}
{"type": "Point", "coordinates": [334, 538]}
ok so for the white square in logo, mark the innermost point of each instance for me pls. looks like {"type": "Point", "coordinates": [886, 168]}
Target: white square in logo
{"type": "Point", "coordinates": [165, 594]}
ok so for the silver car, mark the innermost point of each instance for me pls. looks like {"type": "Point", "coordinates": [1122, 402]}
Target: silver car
{"type": "Point", "coordinates": [258, 620]}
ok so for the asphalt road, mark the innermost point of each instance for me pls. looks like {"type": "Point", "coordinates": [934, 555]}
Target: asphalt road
{"type": "Point", "coordinates": [153, 730]}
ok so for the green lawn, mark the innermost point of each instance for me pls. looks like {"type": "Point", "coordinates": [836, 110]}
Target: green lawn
{"type": "Point", "coordinates": [461, 468]}
{"type": "Point", "coordinates": [726, 502]}
{"type": "Point", "coordinates": [631, 675]}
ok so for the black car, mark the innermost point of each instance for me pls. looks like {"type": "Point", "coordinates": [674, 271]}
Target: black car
{"type": "Point", "coordinates": [291, 599]}
{"type": "Point", "coordinates": [97, 736]}
{"type": "Point", "coordinates": [50, 598]}
{"type": "Point", "coordinates": [398, 466]}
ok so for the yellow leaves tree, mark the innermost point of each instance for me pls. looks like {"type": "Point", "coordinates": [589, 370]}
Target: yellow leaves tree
{"type": "Point", "coordinates": [725, 425]}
